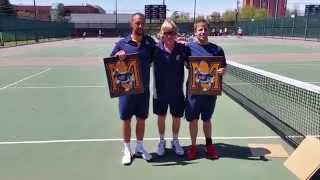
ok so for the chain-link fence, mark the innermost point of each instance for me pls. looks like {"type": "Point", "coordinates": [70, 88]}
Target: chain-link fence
{"type": "Point", "coordinates": [306, 27]}
{"type": "Point", "coordinates": [14, 31]}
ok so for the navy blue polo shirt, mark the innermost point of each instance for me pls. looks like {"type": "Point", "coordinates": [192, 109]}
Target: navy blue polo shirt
{"type": "Point", "coordinates": [169, 72]}
{"type": "Point", "coordinates": [209, 49]}
{"type": "Point", "coordinates": [145, 50]}
{"type": "Point", "coordinates": [137, 104]}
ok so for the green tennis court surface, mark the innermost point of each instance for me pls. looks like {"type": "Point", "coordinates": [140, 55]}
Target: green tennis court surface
{"type": "Point", "coordinates": [58, 121]}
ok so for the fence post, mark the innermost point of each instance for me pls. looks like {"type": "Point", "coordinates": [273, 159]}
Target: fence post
{"type": "Point", "coordinates": [293, 17]}
{"type": "Point", "coordinates": [272, 29]}
{"type": "Point", "coordinates": [36, 35]}
{"type": "Point", "coordinates": [1, 39]}
{"type": "Point", "coordinates": [252, 27]}
{"type": "Point", "coordinates": [306, 28]}
{"type": "Point", "coordinates": [15, 37]}
{"type": "Point", "coordinates": [264, 25]}
{"type": "Point", "coordinates": [282, 27]}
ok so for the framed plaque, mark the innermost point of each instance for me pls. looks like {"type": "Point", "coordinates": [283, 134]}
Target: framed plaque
{"type": "Point", "coordinates": [124, 76]}
{"type": "Point", "coordinates": [203, 76]}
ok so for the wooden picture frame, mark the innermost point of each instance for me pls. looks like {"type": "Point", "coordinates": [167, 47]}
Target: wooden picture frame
{"type": "Point", "coordinates": [124, 76]}
{"type": "Point", "coordinates": [203, 77]}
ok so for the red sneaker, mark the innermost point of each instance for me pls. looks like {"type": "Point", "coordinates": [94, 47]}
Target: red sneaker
{"type": "Point", "coordinates": [192, 152]}
{"type": "Point", "coordinates": [212, 152]}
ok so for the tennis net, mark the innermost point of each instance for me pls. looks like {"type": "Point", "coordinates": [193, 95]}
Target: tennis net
{"type": "Point", "coordinates": [290, 107]}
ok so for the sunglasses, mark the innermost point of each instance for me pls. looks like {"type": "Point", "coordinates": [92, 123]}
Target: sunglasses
{"type": "Point", "coordinates": [169, 33]}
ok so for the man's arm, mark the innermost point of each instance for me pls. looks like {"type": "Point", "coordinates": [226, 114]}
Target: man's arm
{"type": "Point", "coordinates": [222, 70]}
{"type": "Point", "coordinates": [117, 51]}
{"type": "Point", "coordinates": [154, 49]}
{"type": "Point", "coordinates": [187, 51]}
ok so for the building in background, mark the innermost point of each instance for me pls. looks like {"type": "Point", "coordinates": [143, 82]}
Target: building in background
{"type": "Point", "coordinates": [43, 12]}
{"type": "Point", "coordinates": [104, 25]}
{"type": "Point", "coordinates": [275, 8]}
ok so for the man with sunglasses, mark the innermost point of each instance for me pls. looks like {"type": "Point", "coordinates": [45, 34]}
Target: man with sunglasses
{"type": "Point", "coordinates": [169, 76]}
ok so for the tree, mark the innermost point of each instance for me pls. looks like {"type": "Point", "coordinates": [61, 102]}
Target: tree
{"type": "Point", "coordinates": [247, 12]}
{"type": "Point", "coordinates": [175, 15]}
{"type": "Point", "coordinates": [6, 7]}
{"type": "Point", "coordinates": [229, 15]}
{"type": "Point", "coordinates": [57, 12]}
{"type": "Point", "coordinates": [260, 14]}
{"type": "Point", "coordinates": [214, 17]}
{"type": "Point", "coordinates": [200, 17]}
{"type": "Point", "coordinates": [179, 16]}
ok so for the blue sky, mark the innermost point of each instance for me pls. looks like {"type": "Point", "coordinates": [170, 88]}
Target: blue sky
{"type": "Point", "coordinates": [204, 7]}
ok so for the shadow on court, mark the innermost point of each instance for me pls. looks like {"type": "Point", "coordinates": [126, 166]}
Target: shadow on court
{"type": "Point", "coordinates": [224, 151]}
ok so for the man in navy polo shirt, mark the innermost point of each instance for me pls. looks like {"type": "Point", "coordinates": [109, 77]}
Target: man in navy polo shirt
{"type": "Point", "coordinates": [138, 105]}
{"type": "Point", "coordinates": [169, 76]}
{"type": "Point", "coordinates": [203, 105]}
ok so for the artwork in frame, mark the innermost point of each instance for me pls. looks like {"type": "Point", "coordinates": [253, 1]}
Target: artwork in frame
{"type": "Point", "coordinates": [203, 75]}
{"type": "Point", "coordinates": [124, 76]}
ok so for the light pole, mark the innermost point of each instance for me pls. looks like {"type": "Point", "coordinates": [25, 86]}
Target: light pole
{"type": "Point", "coordinates": [116, 11]}
{"type": "Point", "coordinates": [35, 17]}
{"type": "Point", "coordinates": [194, 11]}
{"type": "Point", "coordinates": [276, 9]}
{"type": "Point", "coordinates": [35, 9]}
{"type": "Point", "coordinates": [237, 13]}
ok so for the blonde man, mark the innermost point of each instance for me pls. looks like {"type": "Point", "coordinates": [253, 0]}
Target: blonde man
{"type": "Point", "coordinates": [169, 77]}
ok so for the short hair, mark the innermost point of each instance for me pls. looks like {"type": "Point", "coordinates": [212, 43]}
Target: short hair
{"type": "Point", "coordinates": [198, 21]}
{"type": "Point", "coordinates": [168, 24]}
{"type": "Point", "coordinates": [137, 14]}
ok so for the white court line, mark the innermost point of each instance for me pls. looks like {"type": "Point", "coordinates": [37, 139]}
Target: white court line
{"type": "Point", "coordinates": [146, 139]}
{"type": "Point", "coordinates": [289, 64]}
{"type": "Point", "coordinates": [239, 84]}
{"type": "Point", "coordinates": [104, 86]}
{"type": "Point", "coordinates": [25, 78]}
{"type": "Point", "coordinates": [59, 87]}
{"type": "Point", "coordinates": [120, 140]}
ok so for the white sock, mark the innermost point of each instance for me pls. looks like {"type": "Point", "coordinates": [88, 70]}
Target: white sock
{"type": "Point", "coordinates": [139, 143]}
{"type": "Point", "coordinates": [127, 146]}
{"type": "Point", "coordinates": [175, 137]}
{"type": "Point", "coordinates": [161, 137]}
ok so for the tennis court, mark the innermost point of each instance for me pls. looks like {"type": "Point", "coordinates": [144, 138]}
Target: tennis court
{"type": "Point", "coordinates": [58, 121]}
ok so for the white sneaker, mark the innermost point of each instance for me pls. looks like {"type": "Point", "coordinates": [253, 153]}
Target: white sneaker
{"type": "Point", "coordinates": [161, 148]}
{"type": "Point", "coordinates": [177, 148]}
{"type": "Point", "coordinates": [127, 157]}
{"type": "Point", "coordinates": [141, 152]}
